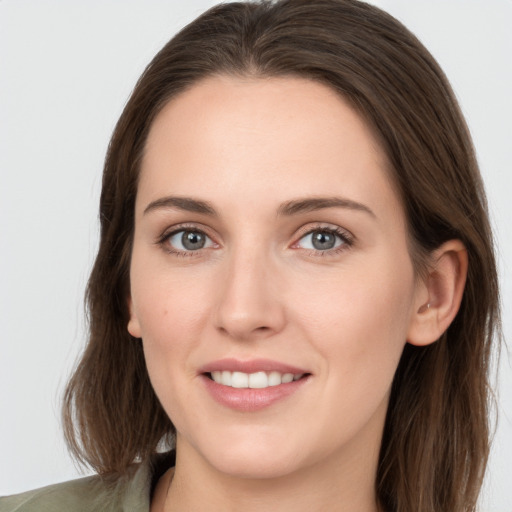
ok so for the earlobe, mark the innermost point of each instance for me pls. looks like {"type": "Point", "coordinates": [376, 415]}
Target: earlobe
{"type": "Point", "coordinates": [441, 294]}
{"type": "Point", "coordinates": [133, 322]}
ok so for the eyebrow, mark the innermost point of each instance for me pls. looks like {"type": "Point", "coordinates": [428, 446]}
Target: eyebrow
{"type": "Point", "coordinates": [312, 204]}
{"type": "Point", "coordinates": [289, 208]}
{"type": "Point", "coordinates": [182, 203]}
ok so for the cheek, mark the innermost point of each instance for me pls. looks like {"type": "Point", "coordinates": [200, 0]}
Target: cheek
{"type": "Point", "coordinates": [357, 301]}
{"type": "Point", "coordinates": [170, 304]}
{"type": "Point", "coordinates": [170, 309]}
{"type": "Point", "coordinates": [171, 321]}
{"type": "Point", "coordinates": [358, 320]}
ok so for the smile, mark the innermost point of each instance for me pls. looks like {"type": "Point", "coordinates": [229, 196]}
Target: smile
{"type": "Point", "coordinates": [250, 386]}
{"type": "Point", "coordinates": [258, 380]}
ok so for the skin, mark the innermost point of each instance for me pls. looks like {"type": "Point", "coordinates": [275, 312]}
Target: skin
{"type": "Point", "coordinates": [259, 289]}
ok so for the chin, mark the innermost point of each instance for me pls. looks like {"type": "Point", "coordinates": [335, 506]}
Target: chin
{"type": "Point", "coordinates": [256, 466]}
{"type": "Point", "coordinates": [254, 458]}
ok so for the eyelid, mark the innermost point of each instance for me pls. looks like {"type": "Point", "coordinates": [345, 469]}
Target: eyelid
{"type": "Point", "coordinates": [346, 236]}
{"type": "Point", "coordinates": [177, 228]}
{"type": "Point", "coordinates": [324, 226]}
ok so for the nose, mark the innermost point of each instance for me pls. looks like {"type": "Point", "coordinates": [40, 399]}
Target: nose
{"type": "Point", "coordinates": [249, 300]}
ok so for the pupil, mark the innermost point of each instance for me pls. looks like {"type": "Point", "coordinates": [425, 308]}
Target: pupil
{"type": "Point", "coordinates": [323, 240]}
{"type": "Point", "coordinates": [193, 240]}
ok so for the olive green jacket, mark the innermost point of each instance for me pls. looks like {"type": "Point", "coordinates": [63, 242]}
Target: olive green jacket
{"type": "Point", "coordinates": [128, 493]}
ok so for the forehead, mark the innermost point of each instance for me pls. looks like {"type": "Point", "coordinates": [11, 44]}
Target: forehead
{"type": "Point", "coordinates": [267, 138]}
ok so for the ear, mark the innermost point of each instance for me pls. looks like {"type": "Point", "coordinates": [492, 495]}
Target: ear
{"type": "Point", "coordinates": [133, 323]}
{"type": "Point", "coordinates": [439, 294]}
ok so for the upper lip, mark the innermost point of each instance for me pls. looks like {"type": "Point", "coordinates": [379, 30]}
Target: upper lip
{"type": "Point", "coordinates": [250, 366]}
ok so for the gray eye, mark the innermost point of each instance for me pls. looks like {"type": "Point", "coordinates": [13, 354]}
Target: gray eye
{"type": "Point", "coordinates": [321, 240]}
{"type": "Point", "coordinates": [188, 240]}
{"type": "Point", "coordinates": [192, 240]}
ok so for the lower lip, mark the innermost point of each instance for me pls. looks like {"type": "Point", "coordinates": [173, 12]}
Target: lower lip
{"type": "Point", "coordinates": [250, 399]}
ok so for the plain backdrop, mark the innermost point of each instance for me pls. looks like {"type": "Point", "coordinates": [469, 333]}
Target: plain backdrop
{"type": "Point", "coordinates": [66, 70]}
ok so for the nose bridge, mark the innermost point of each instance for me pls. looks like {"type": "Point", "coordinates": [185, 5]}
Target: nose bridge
{"type": "Point", "coordinates": [249, 300]}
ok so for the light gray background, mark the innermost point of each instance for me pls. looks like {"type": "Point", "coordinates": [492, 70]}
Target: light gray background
{"type": "Point", "coordinates": [66, 70]}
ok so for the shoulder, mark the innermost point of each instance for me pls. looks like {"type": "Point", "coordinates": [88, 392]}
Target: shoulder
{"type": "Point", "coordinates": [80, 495]}
{"type": "Point", "coordinates": [130, 492]}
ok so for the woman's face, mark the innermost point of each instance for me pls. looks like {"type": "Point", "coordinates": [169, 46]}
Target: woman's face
{"type": "Point", "coordinates": [269, 245]}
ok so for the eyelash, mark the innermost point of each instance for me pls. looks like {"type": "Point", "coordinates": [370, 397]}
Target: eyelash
{"type": "Point", "coordinates": [164, 239]}
{"type": "Point", "coordinates": [347, 240]}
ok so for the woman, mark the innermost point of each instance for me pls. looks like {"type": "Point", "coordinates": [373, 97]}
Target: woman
{"type": "Point", "coordinates": [292, 285]}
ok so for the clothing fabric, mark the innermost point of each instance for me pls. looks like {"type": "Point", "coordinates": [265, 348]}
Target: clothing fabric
{"type": "Point", "coordinates": [129, 493]}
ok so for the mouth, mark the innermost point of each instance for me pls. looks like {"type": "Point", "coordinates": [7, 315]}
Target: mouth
{"type": "Point", "coordinates": [250, 386]}
{"type": "Point", "coordinates": [257, 380]}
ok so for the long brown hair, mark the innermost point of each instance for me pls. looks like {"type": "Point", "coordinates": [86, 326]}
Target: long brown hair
{"type": "Point", "coordinates": [436, 437]}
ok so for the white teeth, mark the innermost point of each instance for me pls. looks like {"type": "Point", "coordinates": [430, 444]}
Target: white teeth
{"type": "Point", "coordinates": [239, 380]}
{"type": "Point", "coordinates": [226, 378]}
{"type": "Point", "coordinates": [274, 379]}
{"type": "Point", "coordinates": [258, 380]}
{"type": "Point", "coordinates": [287, 377]}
